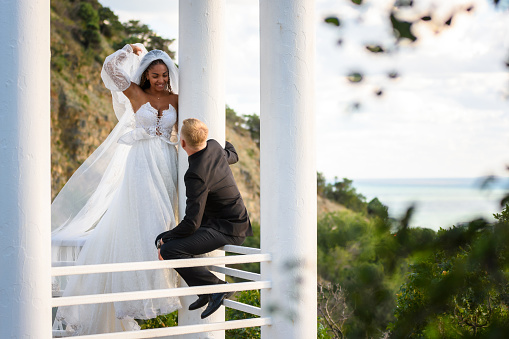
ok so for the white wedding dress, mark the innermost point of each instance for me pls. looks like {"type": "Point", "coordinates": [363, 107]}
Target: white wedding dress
{"type": "Point", "coordinates": [139, 203]}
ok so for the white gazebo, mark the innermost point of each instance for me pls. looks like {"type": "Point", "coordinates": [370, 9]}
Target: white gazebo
{"type": "Point", "coordinates": [288, 173]}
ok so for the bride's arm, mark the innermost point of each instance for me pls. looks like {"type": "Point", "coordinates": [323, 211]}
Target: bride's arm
{"type": "Point", "coordinates": [115, 70]}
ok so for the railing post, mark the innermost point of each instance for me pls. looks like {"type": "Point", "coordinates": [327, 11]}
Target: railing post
{"type": "Point", "coordinates": [201, 95]}
{"type": "Point", "coordinates": [25, 283]}
{"type": "Point", "coordinates": [288, 170]}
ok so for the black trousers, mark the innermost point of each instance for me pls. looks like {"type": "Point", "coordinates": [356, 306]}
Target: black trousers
{"type": "Point", "coordinates": [204, 240]}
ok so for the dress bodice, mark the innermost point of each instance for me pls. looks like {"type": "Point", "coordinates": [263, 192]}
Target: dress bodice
{"type": "Point", "coordinates": [147, 118]}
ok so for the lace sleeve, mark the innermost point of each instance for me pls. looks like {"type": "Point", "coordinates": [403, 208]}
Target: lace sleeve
{"type": "Point", "coordinates": [118, 68]}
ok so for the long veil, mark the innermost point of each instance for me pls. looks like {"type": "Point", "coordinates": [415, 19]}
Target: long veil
{"type": "Point", "coordinates": [84, 199]}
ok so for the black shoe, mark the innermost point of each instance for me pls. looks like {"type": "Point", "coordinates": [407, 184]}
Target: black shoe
{"type": "Point", "coordinates": [216, 300]}
{"type": "Point", "coordinates": [200, 302]}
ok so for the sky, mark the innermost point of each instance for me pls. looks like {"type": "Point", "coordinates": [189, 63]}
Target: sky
{"type": "Point", "coordinates": [445, 116]}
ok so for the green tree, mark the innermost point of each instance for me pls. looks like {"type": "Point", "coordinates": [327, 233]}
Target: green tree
{"type": "Point", "coordinates": [351, 249]}
{"type": "Point", "coordinates": [253, 126]}
{"type": "Point", "coordinates": [344, 193]}
{"type": "Point", "coordinates": [90, 27]}
{"type": "Point", "coordinates": [109, 23]}
{"type": "Point", "coordinates": [138, 32]}
{"type": "Point", "coordinates": [233, 119]}
{"type": "Point", "coordinates": [320, 184]}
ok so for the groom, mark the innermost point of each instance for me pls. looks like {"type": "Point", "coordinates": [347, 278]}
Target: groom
{"type": "Point", "coordinates": [215, 212]}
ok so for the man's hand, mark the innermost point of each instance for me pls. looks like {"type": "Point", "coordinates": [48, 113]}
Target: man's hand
{"type": "Point", "coordinates": [160, 242]}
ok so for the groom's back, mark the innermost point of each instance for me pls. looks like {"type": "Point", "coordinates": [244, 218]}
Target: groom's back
{"type": "Point", "coordinates": [224, 207]}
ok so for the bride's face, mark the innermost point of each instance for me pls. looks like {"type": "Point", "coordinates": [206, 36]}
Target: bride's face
{"type": "Point", "coordinates": [158, 77]}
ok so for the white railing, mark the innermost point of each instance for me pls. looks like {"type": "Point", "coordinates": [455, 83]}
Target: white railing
{"type": "Point", "coordinates": [244, 255]}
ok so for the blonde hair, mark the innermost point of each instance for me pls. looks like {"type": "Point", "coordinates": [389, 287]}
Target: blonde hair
{"type": "Point", "coordinates": [194, 132]}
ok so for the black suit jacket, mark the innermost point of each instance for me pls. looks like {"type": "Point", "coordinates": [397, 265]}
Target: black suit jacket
{"type": "Point", "coordinates": [213, 199]}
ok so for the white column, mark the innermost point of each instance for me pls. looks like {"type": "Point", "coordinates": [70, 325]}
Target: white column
{"type": "Point", "coordinates": [25, 283]}
{"type": "Point", "coordinates": [201, 65]}
{"type": "Point", "coordinates": [288, 170]}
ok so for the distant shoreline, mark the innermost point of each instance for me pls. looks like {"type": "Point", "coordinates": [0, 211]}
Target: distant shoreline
{"type": "Point", "coordinates": [439, 202]}
{"type": "Point", "coordinates": [499, 182]}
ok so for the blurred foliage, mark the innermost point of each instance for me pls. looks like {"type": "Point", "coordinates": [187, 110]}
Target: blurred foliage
{"type": "Point", "coordinates": [355, 77]}
{"type": "Point", "coordinates": [403, 16]}
{"type": "Point", "coordinates": [333, 21]}
{"type": "Point", "coordinates": [402, 29]}
{"type": "Point", "coordinates": [459, 287]}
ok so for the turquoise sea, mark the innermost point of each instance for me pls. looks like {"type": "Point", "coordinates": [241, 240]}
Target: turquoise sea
{"type": "Point", "coordinates": [440, 203]}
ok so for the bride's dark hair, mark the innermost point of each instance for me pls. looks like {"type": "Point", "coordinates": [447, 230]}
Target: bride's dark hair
{"type": "Point", "coordinates": [145, 83]}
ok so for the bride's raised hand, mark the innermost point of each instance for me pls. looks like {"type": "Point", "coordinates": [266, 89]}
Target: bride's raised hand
{"type": "Point", "coordinates": [136, 49]}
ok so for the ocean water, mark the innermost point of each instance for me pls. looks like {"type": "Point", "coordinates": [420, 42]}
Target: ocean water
{"type": "Point", "coordinates": [439, 203]}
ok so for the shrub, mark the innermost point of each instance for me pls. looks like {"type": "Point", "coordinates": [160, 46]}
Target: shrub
{"type": "Point", "coordinates": [247, 297]}
{"type": "Point", "coordinates": [167, 320]}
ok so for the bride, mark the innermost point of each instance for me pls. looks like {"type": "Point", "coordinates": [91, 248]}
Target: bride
{"type": "Point", "coordinates": [122, 197]}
